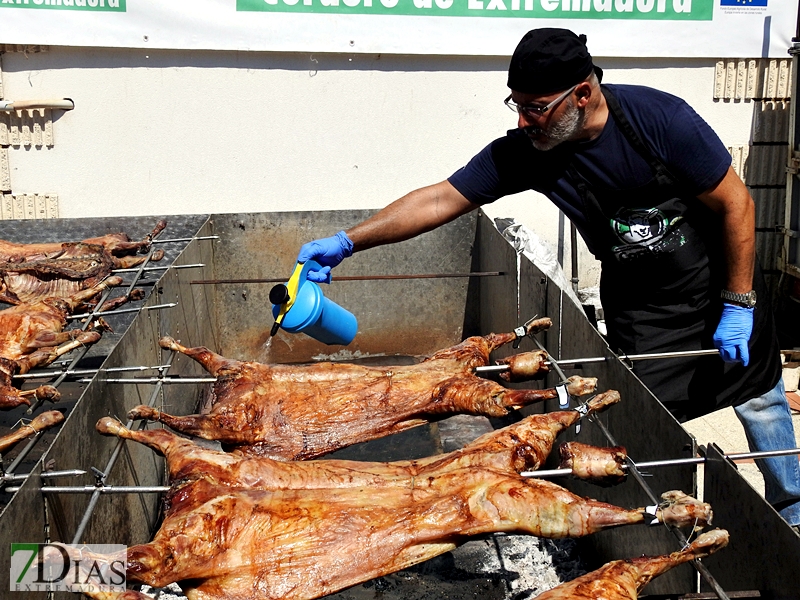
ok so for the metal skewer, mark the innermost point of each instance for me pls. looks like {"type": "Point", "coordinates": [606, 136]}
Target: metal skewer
{"type": "Point", "coordinates": [43, 474]}
{"type": "Point", "coordinates": [99, 489]}
{"type": "Point", "coordinates": [600, 359]}
{"type": "Point", "coordinates": [355, 278]}
{"type": "Point", "coordinates": [121, 311]}
{"type": "Point", "coordinates": [188, 239]}
{"type": "Point", "coordinates": [673, 462]}
{"type": "Point", "coordinates": [154, 489]}
{"type": "Point", "coordinates": [157, 380]}
{"type": "Point", "coordinates": [48, 374]}
{"type": "Point", "coordinates": [159, 268]}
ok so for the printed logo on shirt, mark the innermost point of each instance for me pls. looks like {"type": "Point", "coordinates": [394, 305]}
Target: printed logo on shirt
{"type": "Point", "coordinates": [645, 231]}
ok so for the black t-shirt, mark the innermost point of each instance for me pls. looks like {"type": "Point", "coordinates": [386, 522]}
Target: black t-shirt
{"type": "Point", "coordinates": [674, 132]}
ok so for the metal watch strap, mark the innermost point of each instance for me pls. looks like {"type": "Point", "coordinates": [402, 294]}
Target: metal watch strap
{"type": "Point", "coordinates": [748, 300]}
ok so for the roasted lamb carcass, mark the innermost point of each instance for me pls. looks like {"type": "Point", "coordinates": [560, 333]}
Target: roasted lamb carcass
{"type": "Point", "coordinates": [41, 422]}
{"type": "Point", "coordinates": [250, 527]}
{"type": "Point", "coordinates": [31, 272]}
{"type": "Point", "coordinates": [519, 447]}
{"type": "Point", "coordinates": [28, 328]}
{"type": "Point", "coordinates": [32, 335]}
{"type": "Point", "coordinates": [592, 463]}
{"type": "Point", "coordinates": [624, 579]}
{"type": "Point", "coordinates": [298, 412]}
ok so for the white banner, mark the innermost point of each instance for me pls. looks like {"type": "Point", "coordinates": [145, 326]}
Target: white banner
{"type": "Point", "coordinates": [625, 28]}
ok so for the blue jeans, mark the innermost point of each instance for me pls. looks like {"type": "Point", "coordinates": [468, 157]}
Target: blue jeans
{"type": "Point", "coordinates": [767, 423]}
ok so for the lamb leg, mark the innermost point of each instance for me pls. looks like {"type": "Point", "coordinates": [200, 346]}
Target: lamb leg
{"type": "Point", "coordinates": [120, 244]}
{"type": "Point", "coordinates": [474, 351]}
{"type": "Point", "coordinates": [211, 361]}
{"type": "Point", "coordinates": [546, 510]}
{"type": "Point", "coordinates": [209, 427]}
{"type": "Point", "coordinates": [48, 339]}
{"type": "Point", "coordinates": [128, 262]}
{"type": "Point", "coordinates": [43, 421]}
{"type": "Point", "coordinates": [624, 579]}
{"type": "Point", "coordinates": [528, 443]}
{"type": "Point", "coordinates": [82, 296]}
{"type": "Point", "coordinates": [484, 397]}
{"type": "Point", "coordinates": [45, 356]}
{"type": "Point", "coordinates": [11, 397]}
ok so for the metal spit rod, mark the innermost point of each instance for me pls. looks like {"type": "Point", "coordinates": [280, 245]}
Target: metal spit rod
{"type": "Point", "coordinates": [44, 475]}
{"type": "Point", "coordinates": [701, 568]}
{"type": "Point", "coordinates": [121, 311]}
{"type": "Point", "coordinates": [153, 489]}
{"type": "Point", "coordinates": [600, 359]}
{"type": "Point", "coordinates": [159, 268]}
{"type": "Point", "coordinates": [99, 489]}
{"type": "Point", "coordinates": [673, 462]}
{"type": "Point", "coordinates": [355, 278]}
{"type": "Point", "coordinates": [156, 380]}
{"type": "Point", "coordinates": [48, 374]}
{"type": "Point", "coordinates": [189, 239]}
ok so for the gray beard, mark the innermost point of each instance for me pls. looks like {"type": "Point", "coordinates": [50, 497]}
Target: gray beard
{"type": "Point", "coordinates": [563, 130]}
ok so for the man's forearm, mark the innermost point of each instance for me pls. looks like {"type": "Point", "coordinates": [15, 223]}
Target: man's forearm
{"type": "Point", "coordinates": [732, 202]}
{"type": "Point", "coordinates": [739, 239]}
{"type": "Point", "coordinates": [415, 213]}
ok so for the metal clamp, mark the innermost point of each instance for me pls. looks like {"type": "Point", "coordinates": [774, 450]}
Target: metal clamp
{"type": "Point", "coordinates": [652, 510]}
{"type": "Point", "coordinates": [563, 395]}
{"type": "Point", "coordinates": [99, 478]}
{"type": "Point", "coordinates": [520, 332]}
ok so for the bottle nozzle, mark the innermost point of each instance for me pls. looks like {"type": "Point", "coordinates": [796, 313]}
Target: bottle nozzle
{"type": "Point", "coordinates": [279, 294]}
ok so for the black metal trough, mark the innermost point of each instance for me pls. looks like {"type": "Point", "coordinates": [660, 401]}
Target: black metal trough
{"type": "Point", "coordinates": [398, 318]}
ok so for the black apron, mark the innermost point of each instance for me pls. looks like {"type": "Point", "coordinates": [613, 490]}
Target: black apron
{"type": "Point", "coordinates": [663, 268]}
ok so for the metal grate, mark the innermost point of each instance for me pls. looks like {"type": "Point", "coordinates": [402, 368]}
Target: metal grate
{"type": "Point", "coordinates": [752, 79]}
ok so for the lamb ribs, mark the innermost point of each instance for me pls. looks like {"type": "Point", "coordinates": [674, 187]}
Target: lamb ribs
{"type": "Point", "coordinates": [246, 527]}
{"type": "Point", "coordinates": [298, 412]}
{"type": "Point", "coordinates": [32, 335]}
{"type": "Point", "coordinates": [32, 272]}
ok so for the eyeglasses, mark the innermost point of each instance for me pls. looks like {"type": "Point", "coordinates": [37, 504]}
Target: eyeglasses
{"type": "Point", "coordinates": [537, 111]}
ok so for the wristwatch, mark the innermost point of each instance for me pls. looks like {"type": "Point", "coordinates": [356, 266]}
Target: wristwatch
{"type": "Point", "coordinates": [747, 300]}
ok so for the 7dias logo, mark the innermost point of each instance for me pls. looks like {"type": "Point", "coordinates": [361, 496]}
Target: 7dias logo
{"type": "Point", "coordinates": [68, 568]}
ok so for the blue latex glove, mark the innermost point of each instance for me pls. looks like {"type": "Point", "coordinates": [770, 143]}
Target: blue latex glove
{"type": "Point", "coordinates": [328, 252]}
{"type": "Point", "coordinates": [733, 333]}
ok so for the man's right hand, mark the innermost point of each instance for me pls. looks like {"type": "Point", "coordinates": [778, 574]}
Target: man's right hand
{"type": "Point", "coordinates": [328, 252]}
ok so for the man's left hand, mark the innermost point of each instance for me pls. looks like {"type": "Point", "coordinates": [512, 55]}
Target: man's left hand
{"type": "Point", "coordinates": [733, 333]}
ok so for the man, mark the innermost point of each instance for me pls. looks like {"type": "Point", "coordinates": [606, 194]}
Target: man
{"type": "Point", "coordinates": [650, 187]}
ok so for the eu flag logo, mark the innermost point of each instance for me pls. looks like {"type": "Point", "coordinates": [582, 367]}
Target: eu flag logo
{"type": "Point", "coordinates": [743, 2]}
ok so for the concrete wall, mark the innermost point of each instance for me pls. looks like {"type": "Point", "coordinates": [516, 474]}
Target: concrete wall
{"type": "Point", "coordinates": [167, 132]}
